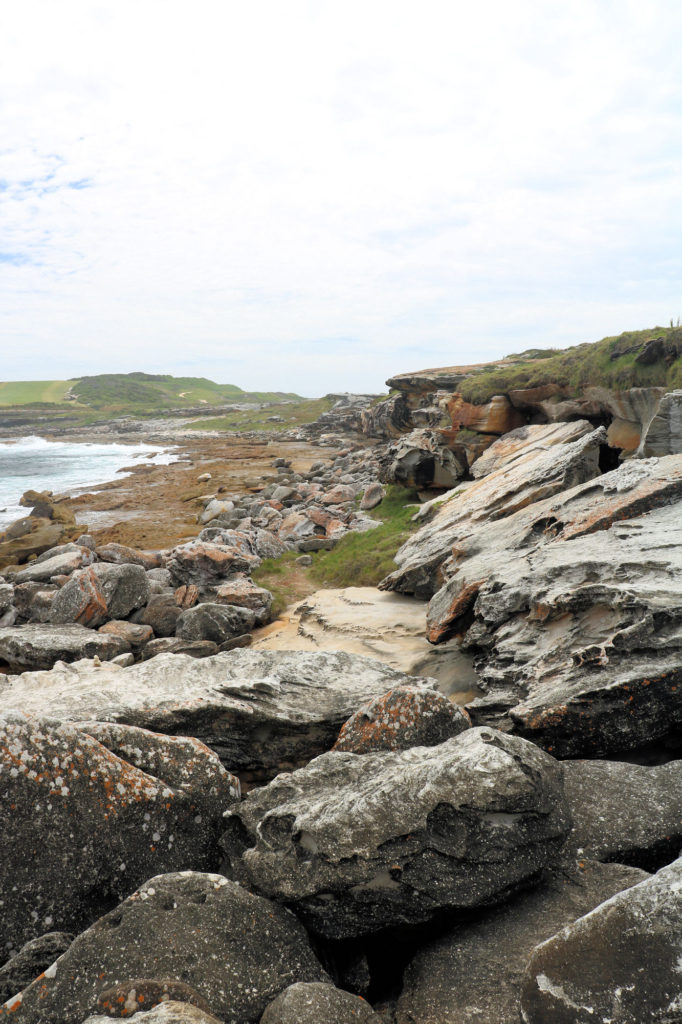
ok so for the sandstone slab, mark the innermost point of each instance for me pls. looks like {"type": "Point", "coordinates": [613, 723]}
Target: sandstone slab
{"type": "Point", "coordinates": [262, 711]}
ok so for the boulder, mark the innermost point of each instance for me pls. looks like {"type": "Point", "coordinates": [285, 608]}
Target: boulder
{"type": "Point", "coordinates": [237, 950]}
{"type": "Point", "coordinates": [338, 495]}
{"type": "Point", "coordinates": [36, 646]}
{"type": "Point", "coordinates": [313, 1002]}
{"type": "Point", "coordinates": [46, 506]}
{"type": "Point", "coordinates": [6, 596]}
{"type": "Point", "coordinates": [170, 1012]}
{"type": "Point", "coordinates": [62, 564]}
{"type": "Point", "coordinates": [243, 592]}
{"type": "Point", "coordinates": [623, 812]}
{"type": "Point", "coordinates": [90, 811]}
{"type": "Point", "coordinates": [423, 459]}
{"type": "Point", "coordinates": [161, 613]}
{"type": "Point", "coordinates": [125, 587]}
{"type": "Point", "coordinates": [263, 712]}
{"type": "Point", "coordinates": [81, 600]}
{"type": "Point", "coordinates": [406, 716]}
{"type": "Point", "coordinates": [206, 564]}
{"type": "Point", "coordinates": [27, 537]}
{"type": "Point", "coordinates": [356, 844]}
{"type": "Point", "coordinates": [621, 962]}
{"type": "Point", "coordinates": [120, 554]}
{"type": "Point", "coordinates": [474, 972]}
{"type": "Point", "coordinates": [519, 443]}
{"type": "Point", "coordinates": [373, 495]}
{"type": "Point", "coordinates": [215, 508]}
{"type": "Point", "coordinates": [498, 416]}
{"type": "Point", "coordinates": [216, 622]}
{"type": "Point", "coordinates": [30, 961]}
{"type": "Point", "coordinates": [186, 596]}
{"type": "Point", "coordinates": [136, 636]}
{"type": "Point", "coordinates": [175, 645]}
{"type": "Point", "coordinates": [534, 476]}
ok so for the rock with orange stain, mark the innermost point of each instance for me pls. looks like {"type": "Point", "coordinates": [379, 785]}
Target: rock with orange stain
{"type": "Point", "coordinates": [90, 811]}
{"type": "Point", "coordinates": [186, 596]}
{"type": "Point", "coordinates": [134, 634]}
{"type": "Point", "coordinates": [238, 951]}
{"type": "Point", "coordinates": [80, 600]}
{"type": "Point", "coordinates": [498, 416]}
{"type": "Point", "coordinates": [205, 564]}
{"type": "Point", "coordinates": [521, 442]}
{"type": "Point", "coordinates": [404, 717]}
{"type": "Point", "coordinates": [120, 554]}
{"type": "Point", "coordinates": [170, 1012]}
{"type": "Point", "coordinates": [242, 591]}
{"type": "Point", "coordinates": [140, 994]}
{"type": "Point", "coordinates": [359, 843]}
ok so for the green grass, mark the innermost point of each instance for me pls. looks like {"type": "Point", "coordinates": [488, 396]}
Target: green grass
{"type": "Point", "coordinates": [611, 362]}
{"type": "Point", "coordinates": [28, 392]}
{"type": "Point", "coordinates": [293, 414]}
{"type": "Point", "coordinates": [358, 560]}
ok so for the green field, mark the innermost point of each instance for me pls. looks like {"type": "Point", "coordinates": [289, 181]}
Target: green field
{"type": "Point", "coordinates": [28, 392]}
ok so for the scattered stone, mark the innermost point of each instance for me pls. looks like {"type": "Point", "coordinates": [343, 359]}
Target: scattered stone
{"type": "Point", "coordinates": [373, 496]}
{"type": "Point", "coordinates": [621, 962]}
{"type": "Point", "coordinates": [216, 622]}
{"type": "Point", "coordinates": [161, 613]}
{"type": "Point", "coordinates": [243, 592]}
{"type": "Point", "coordinates": [95, 809]}
{"type": "Point", "coordinates": [404, 717]}
{"type": "Point", "coordinates": [59, 565]}
{"type": "Point", "coordinates": [313, 1002]}
{"type": "Point", "coordinates": [136, 636]}
{"type": "Point", "coordinates": [186, 596]}
{"type": "Point", "coordinates": [119, 554]}
{"type": "Point", "coordinates": [203, 478]}
{"type": "Point", "coordinates": [86, 541]}
{"type": "Point", "coordinates": [237, 950]}
{"type": "Point", "coordinates": [304, 560]}
{"type": "Point", "coordinates": [357, 844]}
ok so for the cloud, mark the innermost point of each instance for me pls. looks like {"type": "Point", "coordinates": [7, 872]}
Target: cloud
{"type": "Point", "coordinates": [307, 194]}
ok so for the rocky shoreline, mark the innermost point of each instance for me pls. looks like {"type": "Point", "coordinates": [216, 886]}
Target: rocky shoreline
{"type": "Point", "coordinates": [203, 825]}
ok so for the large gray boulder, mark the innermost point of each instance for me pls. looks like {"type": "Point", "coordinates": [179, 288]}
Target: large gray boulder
{"type": "Point", "coordinates": [313, 1002]}
{"type": "Point", "coordinates": [60, 561]}
{"type": "Point", "coordinates": [125, 587]}
{"type": "Point", "coordinates": [664, 433]}
{"type": "Point", "coordinates": [474, 972]}
{"type": "Point", "coordinates": [89, 811]}
{"type": "Point", "coordinates": [623, 812]}
{"type": "Point", "coordinates": [619, 963]}
{"type": "Point", "coordinates": [207, 564]}
{"type": "Point", "coordinates": [213, 621]}
{"type": "Point", "coordinates": [262, 711]}
{"type": "Point", "coordinates": [235, 949]}
{"type": "Point", "coordinates": [35, 646]}
{"type": "Point", "coordinates": [358, 843]}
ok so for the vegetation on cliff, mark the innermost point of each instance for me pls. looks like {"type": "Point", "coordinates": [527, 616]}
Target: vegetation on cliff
{"type": "Point", "coordinates": [647, 358]}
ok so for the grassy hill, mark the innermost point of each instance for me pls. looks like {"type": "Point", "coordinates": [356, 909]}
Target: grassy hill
{"type": "Point", "coordinates": [116, 394]}
{"type": "Point", "coordinates": [650, 358]}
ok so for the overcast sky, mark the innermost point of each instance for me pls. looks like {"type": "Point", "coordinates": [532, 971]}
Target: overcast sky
{"type": "Point", "coordinates": [312, 196]}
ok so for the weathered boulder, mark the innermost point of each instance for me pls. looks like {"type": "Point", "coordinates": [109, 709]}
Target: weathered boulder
{"type": "Point", "coordinates": [61, 564]}
{"type": "Point", "coordinates": [621, 962]}
{"type": "Point", "coordinates": [125, 587]}
{"type": "Point", "coordinates": [533, 476]}
{"type": "Point", "coordinates": [161, 613]}
{"type": "Point", "coordinates": [30, 961]}
{"type": "Point", "coordinates": [623, 812]}
{"type": "Point", "coordinates": [120, 554]}
{"type": "Point", "coordinates": [215, 508]}
{"type": "Point", "coordinates": [175, 645]}
{"type": "Point", "coordinates": [205, 564]}
{"type": "Point", "coordinates": [664, 433]}
{"type": "Point", "coordinates": [37, 646]}
{"type": "Point", "coordinates": [216, 622]}
{"type": "Point", "coordinates": [243, 592]}
{"type": "Point", "coordinates": [498, 416]}
{"type": "Point", "coordinates": [313, 1002]}
{"type": "Point", "coordinates": [237, 950]}
{"type": "Point", "coordinates": [81, 600]}
{"type": "Point", "coordinates": [46, 506]}
{"type": "Point", "coordinates": [136, 636]}
{"type": "Point", "coordinates": [263, 712]}
{"type": "Point", "coordinates": [373, 495]}
{"type": "Point", "coordinates": [89, 811]}
{"type": "Point", "coordinates": [6, 596]}
{"type": "Point", "coordinates": [423, 459]}
{"type": "Point", "coordinates": [406, 716]}
{"type": "Point", "coordinates": [338, 495]}
{"type": "Point", "coordinates": [356, 844]}
{"type": "Point", "coordinates": [27, 537]}
{"type": "Point", "coordinates": [473, 974]}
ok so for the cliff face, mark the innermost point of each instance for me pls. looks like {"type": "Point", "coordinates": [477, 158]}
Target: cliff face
{"type": "Point", "coordinates": [618, 383]}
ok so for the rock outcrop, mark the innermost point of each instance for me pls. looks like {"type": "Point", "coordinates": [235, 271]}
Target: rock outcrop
{"type": "Point", "coordinates": [358, 843]}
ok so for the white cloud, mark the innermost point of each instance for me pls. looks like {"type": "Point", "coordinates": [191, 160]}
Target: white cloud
{"type": "Point", "coordinates": [313, 195]}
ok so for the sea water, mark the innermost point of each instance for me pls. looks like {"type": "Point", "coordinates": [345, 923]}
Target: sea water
{"type": "Point", "coordinates": [32, 463]}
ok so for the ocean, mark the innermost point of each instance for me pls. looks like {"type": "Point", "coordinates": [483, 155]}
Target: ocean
{"type": "Point", "coordinates": [61, 466]}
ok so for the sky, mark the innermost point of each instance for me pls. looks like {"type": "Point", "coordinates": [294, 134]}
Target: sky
{"type": "Point", "coordinates": [312, 196]}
